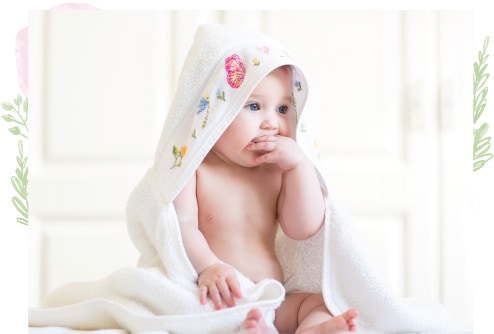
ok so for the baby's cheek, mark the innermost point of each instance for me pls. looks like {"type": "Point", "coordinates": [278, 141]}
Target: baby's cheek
{"type": "Point", "coordinates": [284, 131]}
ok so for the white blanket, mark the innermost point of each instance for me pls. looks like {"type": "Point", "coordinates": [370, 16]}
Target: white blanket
{"type": "Point", "coordinates": [222, 68]}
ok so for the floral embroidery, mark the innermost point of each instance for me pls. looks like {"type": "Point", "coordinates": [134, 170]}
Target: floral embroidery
{"type": "Point", "coordinates": [204, 105]}
{"type": "Point", "coordinates": [220, 94]}
{"type": "Point", "coordinates": [179, 155]}
{"type": "Point", "coordinates": [235, 71]}
{"type": "Point", "coordinates": [294, 102]}
{"type": "Point", "coordinates": [256, 62]}
{"type": "Point", "coordinates": [298, 85]}
{"type": "Point", "coordinates": [316, 147]}
{"type": "Point", "coordinates": [263, 48]}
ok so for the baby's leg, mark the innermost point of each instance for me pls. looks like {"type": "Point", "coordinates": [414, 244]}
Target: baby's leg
{"type": "Point", "coordinates": [255, 324]}
{"type": "Point", "coordinates": [307, 313]}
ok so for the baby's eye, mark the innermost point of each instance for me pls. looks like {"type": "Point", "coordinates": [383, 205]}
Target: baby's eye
{"type": "Point", "coordinates": [283, 109]}
{"type": "Point", "coordinates": [253, 106]}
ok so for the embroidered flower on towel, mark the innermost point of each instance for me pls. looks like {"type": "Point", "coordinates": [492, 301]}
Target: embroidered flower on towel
{"type": "Point", "coordinates": [235, 71]}
{"type": "Point", "coordinates": [294, 102]}
{"type": "Point", "coordinates": [179, 155]}
{"type": "Point", "coordinates": [220, 94]}
{"type": "Point", "coordinates": [316, 148]}
{"type": "Point", "coordinates": [263, 48]}
{"type": "Point", "coordinates": [298, 85]}
{"type": "Point", "coordinates": [203, 104]}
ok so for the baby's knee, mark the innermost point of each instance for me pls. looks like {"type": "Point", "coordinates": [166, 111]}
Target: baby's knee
{"type": "Point", "coordinates": [311, 302]}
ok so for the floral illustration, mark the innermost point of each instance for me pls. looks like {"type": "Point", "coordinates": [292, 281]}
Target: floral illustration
{"type": "Point", "coordinates": [256, 62]}
{"type": "Point", "coordinates": [21, 52]}
{"type": "Point", "coordinates": [235, 71]}
{"type": "Point", "coordinates": [179, 154]}
{"type": "Point", "coordinates": [17, 115]}
{"type": "Point", "coordinates": [481, 142]}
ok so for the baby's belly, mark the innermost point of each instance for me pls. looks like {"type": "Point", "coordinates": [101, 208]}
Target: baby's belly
{"type": "Point", "coordinates": [254, 264]}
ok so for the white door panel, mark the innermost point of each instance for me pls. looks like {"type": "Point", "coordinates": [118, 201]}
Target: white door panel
{"type": "Point", "coordinates": [83, 250]}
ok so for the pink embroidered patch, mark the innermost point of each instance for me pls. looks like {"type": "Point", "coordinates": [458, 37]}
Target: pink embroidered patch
{"type": "Point", "coordinates": [263, 48]}
{"type": "Point", "coordinates": [235, 71]}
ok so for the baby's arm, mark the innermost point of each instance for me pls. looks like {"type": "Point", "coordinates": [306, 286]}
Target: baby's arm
{"type": "Point", "coordinates": [301, 204]}
{"type": "Point", "coordinates": [216, 279]}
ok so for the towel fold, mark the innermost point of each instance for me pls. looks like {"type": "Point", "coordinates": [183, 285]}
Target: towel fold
{"type": "Point", "coordinates": [222, 68]}
{"type": "Point", "coordinates": [144, 299]}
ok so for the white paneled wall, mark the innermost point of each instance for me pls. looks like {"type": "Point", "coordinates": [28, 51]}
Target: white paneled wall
{"type": "Point", "coordinates": [381, 92]}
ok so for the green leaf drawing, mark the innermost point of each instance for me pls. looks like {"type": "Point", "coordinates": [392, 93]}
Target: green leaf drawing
{"type": "Point", "coordinates": [15, 130]}
{"type": "Point", "coordinates": [7, 106]}
{"type": "Point", "coordinates": [20, 183]}
{"type": "Point", "coordinates": [18, 113]}
{"type": "Point", "coordinates": [25, 106]}
{"type": "Point", "coordinates": [481, 142]}
{"type": "Point", "coordinates": [22, 220]}
{"type": "Point", "coordinates": [20, 206]}
{"type": "Point", "coordinates": [8, 118]}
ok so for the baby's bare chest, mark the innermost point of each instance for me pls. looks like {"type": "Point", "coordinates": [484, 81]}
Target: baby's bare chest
{"type": "Point", "coordinates": [237, 198]}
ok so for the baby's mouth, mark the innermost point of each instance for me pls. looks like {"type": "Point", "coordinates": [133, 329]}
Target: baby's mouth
{"type": "Point", "coordinates": [257, 152]}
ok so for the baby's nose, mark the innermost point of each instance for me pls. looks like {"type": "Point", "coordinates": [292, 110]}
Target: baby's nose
{"type": "Point", "coordinates": [269, 123]}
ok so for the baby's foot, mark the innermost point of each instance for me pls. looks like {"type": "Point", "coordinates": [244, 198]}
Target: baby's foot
{"type": "Point", "coordinates": [254, 324]}
{"type": "Point", "coordinates": [342, 323]}
{"type": "Point", "coordinates": [349, 317]}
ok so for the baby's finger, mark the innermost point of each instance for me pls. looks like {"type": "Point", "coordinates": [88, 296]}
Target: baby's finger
{"type": "Point", "coordinates": [214, 294]}
{"type": "Point", "coordinates": [265, 139]}
{"type": "Point", "coordinates": [267, 157]}
{"type": "Point", "coordinates": [224, 290]}
{"type": "Point", "coordinates": [263, 146]}
{"type": "Point", "coordinates": [203, 293]}
{"type": "Point", "coordinates": [234, 286]}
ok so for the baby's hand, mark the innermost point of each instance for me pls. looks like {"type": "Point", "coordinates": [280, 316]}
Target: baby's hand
{"type": "Point", "coordinates": [220, 282]}
{"type": "Point", "coordinates": [280, 150]}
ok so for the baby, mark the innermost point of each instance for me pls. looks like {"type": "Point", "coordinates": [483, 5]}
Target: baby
{"type": "Point", "coordinates": [254, 180]}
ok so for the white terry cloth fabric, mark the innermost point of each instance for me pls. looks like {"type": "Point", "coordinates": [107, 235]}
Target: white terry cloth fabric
{"type": "Point", "coordinates": [222, 68]}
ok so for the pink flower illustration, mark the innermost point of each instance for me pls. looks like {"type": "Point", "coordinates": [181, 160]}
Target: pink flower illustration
{"type": "Point", "coordinates": [21, 47]}
{"type": "Point", "coordinates": [235, 71]}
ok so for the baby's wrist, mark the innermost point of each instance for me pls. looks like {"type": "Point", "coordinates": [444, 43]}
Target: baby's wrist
{"type": "Point", "coordinates": [298, 165]}
{"type": "Point", "coordinates": [207, 266]}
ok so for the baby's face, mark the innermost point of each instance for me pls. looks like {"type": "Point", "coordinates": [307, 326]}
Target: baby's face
{"type": "Point", "coordinates": [266, 112]}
